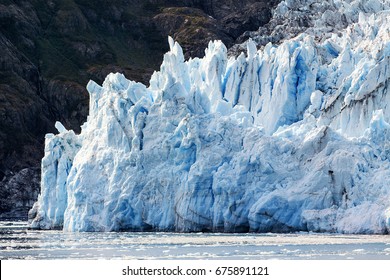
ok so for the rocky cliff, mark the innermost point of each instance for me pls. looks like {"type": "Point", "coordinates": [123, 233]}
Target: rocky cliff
{"type": "Point", "coordinates": [50, 49]}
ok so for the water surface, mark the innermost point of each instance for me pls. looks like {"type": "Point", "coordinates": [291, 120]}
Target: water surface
{"type": "Point", "coordinates": [17, 242]}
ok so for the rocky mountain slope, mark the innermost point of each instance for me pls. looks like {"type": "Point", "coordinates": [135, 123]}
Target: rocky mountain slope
{"type": "Point", "coordinates": [50, 49]}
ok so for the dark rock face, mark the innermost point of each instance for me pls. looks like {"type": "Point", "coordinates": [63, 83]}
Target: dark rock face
{"type": "Point", "coordinates": [192, 28]}
{"type": "Point", "coordinates": [50, 49]}
{"type": "Point", "coordinates": [247, 19]}
{"type": "Point", "coordinates": [18, 192]}
{"type": "Point", "coordinates": [195, 23]}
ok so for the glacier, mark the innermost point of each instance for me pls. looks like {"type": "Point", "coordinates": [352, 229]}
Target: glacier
{"type": "Point", "coordinates": [290, 137]}
{"type": "Point", "coordinates": [321, 19]}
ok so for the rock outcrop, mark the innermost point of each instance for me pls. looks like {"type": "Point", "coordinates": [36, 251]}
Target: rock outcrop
{"type": "Point", "coordinates": [18, 192]}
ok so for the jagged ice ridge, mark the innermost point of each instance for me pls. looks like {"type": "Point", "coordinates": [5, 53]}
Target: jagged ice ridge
{"type": "Point", "coordinates": [288, 138]}
{"type": "Point", "coordinates": [318, 18]}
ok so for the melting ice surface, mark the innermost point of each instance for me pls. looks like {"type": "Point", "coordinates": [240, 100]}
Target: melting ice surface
{"type": "Point", "coordinates": [16, 242]}
{"type": "Point", "coordinates": [292, 137]}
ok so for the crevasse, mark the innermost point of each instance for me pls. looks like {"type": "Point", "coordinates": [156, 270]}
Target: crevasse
{"type": "Point", "coordinates": [287, 138]}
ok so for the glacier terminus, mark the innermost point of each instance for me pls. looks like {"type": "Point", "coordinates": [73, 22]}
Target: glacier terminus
{"type": "Point", "coordinates": [287, 137]}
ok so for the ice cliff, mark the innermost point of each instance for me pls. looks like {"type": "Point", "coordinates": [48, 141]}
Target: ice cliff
{"type": "Point", "coordinates": [291, 137]}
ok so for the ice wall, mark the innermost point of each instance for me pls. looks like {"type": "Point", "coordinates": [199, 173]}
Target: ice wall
{"type": "Point", "coordinates": [290, 137]}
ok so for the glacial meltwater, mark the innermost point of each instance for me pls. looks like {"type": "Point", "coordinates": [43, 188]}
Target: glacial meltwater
{"type": "Point", "coordinates": [18, 242]}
